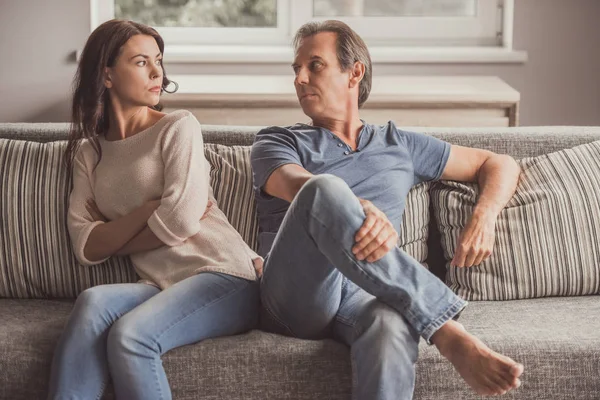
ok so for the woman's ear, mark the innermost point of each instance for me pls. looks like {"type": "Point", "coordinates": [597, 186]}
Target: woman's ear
{"type": "Point", "coordinates": [357, 73]}
{"type": "Point", "coordinates": [107, 78]}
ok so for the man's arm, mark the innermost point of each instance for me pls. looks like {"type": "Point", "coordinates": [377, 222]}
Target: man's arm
{"type": "Point", "coordinates": [497, 176]}
{"type": "Point", "coordinates": [286, 181]}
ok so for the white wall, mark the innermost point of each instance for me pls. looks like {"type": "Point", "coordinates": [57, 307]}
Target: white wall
{"type": "Point", "coordinates": [559, 85]}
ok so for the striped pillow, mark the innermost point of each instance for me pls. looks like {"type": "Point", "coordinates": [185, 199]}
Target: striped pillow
{"type": "Point", "coordinates": [231, 180]}
{"type": "Point", "coordinates": [547, 238]}
{"type": "Point", "coordinates": [414, 229]}
{"type": "Point", "coordinates": [36, 259]}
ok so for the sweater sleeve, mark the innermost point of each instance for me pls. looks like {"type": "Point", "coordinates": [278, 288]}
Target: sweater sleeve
{"type": "Point", "coordinates": [186, 183]}
{"type": "Point", "coordinates": [79, 221]}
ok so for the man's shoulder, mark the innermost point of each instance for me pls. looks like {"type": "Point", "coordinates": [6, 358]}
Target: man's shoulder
{"type": "Point", "coordinates": [297, 132]}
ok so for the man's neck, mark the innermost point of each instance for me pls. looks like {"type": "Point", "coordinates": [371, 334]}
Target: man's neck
{"type": "Point", "coordinates": [347, 130]}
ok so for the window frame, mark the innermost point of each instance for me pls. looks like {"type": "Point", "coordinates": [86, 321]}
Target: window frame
{"type": "Point", "coordinates": [268, 45]}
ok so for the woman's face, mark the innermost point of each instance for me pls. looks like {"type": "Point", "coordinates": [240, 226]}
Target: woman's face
{"type": "Point", "coordinates": [137, 76]}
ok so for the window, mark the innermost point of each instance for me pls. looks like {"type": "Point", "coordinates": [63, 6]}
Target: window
{"type": "Point", "coordinates": [238, 24]}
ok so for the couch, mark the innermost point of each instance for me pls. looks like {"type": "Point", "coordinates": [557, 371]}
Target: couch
{"type": "Point", "coordinates": [556, 338]}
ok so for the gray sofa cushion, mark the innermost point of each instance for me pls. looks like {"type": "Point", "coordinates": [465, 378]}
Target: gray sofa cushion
{"type": "Point", "coordinates": [557, 339]}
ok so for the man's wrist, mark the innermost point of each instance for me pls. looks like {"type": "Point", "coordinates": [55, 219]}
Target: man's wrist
{"type": "Point", "coordinates": [485, 213]}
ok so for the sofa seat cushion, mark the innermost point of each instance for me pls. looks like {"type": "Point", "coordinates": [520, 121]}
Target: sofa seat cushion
{"type": "Point", "coordinates": [557, 339]}
{"type": "Point", "coordinates": [249, 366]}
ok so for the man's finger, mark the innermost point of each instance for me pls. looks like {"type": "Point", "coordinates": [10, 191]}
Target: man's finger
{"type": "Point", "coordinates": [382, 250]}
{"type": "Point", "coordinates": [479, 259]}
{"type": "Point", "coordinates": [472, 255]}
{"type": "Point", "coordinates": [375, 243]}
{"type": "Point", "coordinates": [366, 227]}
{"type": "Point", "coordinates": [459, 256]}
{"type": "Point", "coordinates": [368, 237]}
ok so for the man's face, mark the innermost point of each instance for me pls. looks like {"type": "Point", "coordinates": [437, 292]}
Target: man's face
{"type": "Point", "coordinates": [322, 88]}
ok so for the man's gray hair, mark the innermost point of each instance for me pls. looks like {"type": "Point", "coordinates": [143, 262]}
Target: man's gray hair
{"type": "Point", "coordinates": [350, 49]}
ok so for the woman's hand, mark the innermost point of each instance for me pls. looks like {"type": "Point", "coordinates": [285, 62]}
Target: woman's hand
{"type": "Point", "coordinates": [92, 208]}
{"type": "Point", "coordinates": [208, 206]}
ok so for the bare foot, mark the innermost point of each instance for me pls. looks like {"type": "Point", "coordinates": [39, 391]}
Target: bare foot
{"type": "Point", "coordinates": [487, 372]}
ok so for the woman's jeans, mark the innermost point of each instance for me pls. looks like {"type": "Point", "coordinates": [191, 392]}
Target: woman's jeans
{"type": "Point", "coordinates": [122, 330]}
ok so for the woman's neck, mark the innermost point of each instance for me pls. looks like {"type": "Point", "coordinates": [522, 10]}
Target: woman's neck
{"type": "Point", "coordinates": [124, 122]}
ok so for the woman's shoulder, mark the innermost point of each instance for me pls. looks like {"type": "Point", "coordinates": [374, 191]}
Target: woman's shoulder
{"type": "Point", "coordinates": [180, 117]}
{"type": "Point", "coordinates": [180, 126]}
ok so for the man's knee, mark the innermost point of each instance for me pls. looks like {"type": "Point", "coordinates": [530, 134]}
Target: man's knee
{"type": "Point", "coordinates": [324, 188]}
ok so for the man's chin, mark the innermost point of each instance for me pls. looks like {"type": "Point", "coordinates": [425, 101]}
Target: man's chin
{"type": "Point", "coordinates": [309, 111]}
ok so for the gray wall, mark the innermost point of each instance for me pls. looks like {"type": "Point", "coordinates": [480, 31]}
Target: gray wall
{"type": "Point", "coordinates": [559, 85]}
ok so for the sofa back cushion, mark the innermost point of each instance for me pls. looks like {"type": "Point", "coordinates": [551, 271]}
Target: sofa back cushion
{"type": "Point", "coordinates": [547, 237]}
{"type": "Point", "coordinates": [36, 258]}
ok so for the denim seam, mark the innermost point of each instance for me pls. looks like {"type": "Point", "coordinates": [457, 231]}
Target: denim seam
{"type": "Point", "coordinates": [102, 388]}
{"type": "Point", "coordinates": [156, 379]}
{"type": "Point", "coordinates": [433, 326]}
{"type": "Point", "coordinates": [278, 320]}
{"type": "Point", "coordinates": [354, 375]}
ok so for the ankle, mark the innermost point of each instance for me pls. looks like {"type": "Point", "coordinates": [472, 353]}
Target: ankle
{"type": "Point", "coordinates": [445, 337]}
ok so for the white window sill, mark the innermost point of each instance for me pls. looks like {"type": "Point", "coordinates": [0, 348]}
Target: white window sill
{"type": "Point", "coordinates": [282, 54]}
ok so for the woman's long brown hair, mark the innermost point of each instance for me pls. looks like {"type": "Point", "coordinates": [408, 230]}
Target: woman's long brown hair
{"type": "Point", "coordinates": [89, 114]}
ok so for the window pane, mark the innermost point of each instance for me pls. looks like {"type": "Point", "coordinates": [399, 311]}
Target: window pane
{"type": "Point", "coordinates": [199, 13]}
{"type": "Point", "coordinates": [395, 8]}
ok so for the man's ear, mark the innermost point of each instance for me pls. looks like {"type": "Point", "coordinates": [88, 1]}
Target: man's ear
{"type": "Point", "coordinates": [107, 78]}
{"type": "Point", "coordinates": [356, 73]}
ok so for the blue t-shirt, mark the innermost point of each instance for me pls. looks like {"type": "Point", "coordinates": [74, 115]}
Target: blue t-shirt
{"type": "Point", "coordinates": [386, 164]}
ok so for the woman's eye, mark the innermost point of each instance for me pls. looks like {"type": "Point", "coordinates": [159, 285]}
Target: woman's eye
{"type": "Point", "coordinates": [141, 63]}
{"type": "Point", "coordinates": [158, 62]}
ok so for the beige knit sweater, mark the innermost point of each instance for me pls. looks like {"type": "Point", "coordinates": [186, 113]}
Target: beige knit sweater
{"type": "Point", "coordinates": [166, 162]}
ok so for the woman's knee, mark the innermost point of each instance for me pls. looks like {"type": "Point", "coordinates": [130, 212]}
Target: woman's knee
{"type": "Point", "coordinates": [127, 334]}
{"type": "Point", "coordinates": [94, 304]}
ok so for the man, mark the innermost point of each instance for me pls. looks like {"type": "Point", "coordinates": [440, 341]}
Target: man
{"type": "Point", "coordinates": [332, 267]}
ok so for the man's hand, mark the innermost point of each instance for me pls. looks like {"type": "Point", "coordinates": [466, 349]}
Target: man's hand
{"type": "Point", "coordinates": [476, 241]}
{"type": "Point", "coordinates": [376, 237]}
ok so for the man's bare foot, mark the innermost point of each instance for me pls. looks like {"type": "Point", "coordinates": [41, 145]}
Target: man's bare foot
{"type": "Point", "coordinates": [487, 372]}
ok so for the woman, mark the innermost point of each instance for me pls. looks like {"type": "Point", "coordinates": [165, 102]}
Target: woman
{"type": "Point", "coordinates": [141, 188]}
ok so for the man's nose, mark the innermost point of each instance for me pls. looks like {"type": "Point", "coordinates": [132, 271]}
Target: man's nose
{"type": "Point", "coordinates": [302, 77]}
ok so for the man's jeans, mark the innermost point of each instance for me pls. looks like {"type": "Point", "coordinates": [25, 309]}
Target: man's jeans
{"type": "Point", "coordinates": [123, 329]}
{"type": "Point", "coordinates": [313, 287]}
